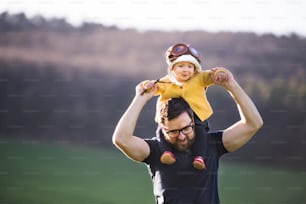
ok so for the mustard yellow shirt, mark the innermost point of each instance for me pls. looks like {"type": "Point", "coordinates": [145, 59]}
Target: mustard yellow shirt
{"type": "Point", "coordinates": [193, 91]}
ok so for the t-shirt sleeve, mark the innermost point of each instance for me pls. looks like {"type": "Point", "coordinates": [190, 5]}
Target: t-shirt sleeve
{"type": "Point", "coordinates": [216, 141]}
{"type": "Point", "coordinates": [154, 151]}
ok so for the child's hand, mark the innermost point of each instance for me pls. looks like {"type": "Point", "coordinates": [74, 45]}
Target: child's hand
{"type": "Point", "coordinates": [219, 75]}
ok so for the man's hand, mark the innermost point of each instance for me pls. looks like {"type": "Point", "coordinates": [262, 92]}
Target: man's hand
{"type": "Point", "coordinates": [219, 75]}
{"type": "Point", "coordinates": [223, 77]}
{"type": "Point", "coordinates": [146, 88]}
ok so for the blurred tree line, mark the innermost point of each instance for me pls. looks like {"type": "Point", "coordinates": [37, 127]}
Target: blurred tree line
{"type": "Point", "coordinates": [71, 84]}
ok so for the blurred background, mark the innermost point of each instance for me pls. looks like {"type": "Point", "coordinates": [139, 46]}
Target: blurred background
{"type": "Point", "coordinates": [65, 82]}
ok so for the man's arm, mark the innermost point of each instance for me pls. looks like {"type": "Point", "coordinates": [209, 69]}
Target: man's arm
{"type": "Point", "coordinates": [250, 122]}
{"type": "Point", "coordinates": [133, 147]}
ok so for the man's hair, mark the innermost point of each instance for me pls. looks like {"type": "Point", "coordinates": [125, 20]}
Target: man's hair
{"type": "Point", "coordinates": [172, 108]}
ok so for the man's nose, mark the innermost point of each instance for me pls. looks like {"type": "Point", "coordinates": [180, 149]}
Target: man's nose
{"type": "Point", "coordinates": [181, 136]}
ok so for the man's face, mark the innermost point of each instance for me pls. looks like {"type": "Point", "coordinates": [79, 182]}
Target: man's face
{"type": "Point", "coordinates": [179, 132]}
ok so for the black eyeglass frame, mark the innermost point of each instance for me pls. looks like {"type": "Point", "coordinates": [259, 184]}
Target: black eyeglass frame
{"type": "Point", "coordinates": [178, 131]}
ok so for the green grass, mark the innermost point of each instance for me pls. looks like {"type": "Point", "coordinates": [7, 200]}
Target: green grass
{"type": "Point", "coordinates": [39, 173]}
{"type": "Point", "coordinates": [54, 174]}
{"type": "Point", "coordinates": [245, 184]}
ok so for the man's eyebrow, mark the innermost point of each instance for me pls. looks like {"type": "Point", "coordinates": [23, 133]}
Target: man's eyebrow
{"type": "Point", "coordinates": [179, 128]}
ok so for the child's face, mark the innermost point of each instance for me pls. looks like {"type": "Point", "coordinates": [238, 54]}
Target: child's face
{"type": "Point", "coordinates": [182, 71]}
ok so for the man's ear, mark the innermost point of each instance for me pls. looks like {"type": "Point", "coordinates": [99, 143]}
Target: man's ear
{"type": "Point", "coordinates": [163, 131]}
{"type": "Point", "coordinates": [192, 119]}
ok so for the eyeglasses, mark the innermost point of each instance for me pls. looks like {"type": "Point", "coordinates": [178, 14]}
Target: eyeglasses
{"type": "Point", "coordinates": [185, 130]}
{"type": "Point", "coordinates": [181, 49]}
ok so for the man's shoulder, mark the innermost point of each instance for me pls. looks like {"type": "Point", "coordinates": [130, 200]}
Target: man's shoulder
{"type": "Point", "coordinates": [215, 141]}
{"type": "Point", "coordinates": [153, 143]}
{"type": "Point", "coordinates": [215, 135]}
{"type": "Point", "coordinates": [155, 151]}
{"type": "Point", "coordinates": [152, 140]}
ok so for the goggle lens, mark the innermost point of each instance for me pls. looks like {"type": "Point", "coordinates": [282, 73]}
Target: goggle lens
{"type": "Point", "coordinates": [179, 50]}
{"type": "Point", "coordinates": [194, 51]}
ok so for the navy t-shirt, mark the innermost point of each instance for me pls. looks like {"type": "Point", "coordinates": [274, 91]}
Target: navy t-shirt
{"type": "Point", "coordinates": [181, 183]}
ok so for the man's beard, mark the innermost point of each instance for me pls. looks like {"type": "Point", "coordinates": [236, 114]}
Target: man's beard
{"type": "Point", "coordinates": [183, 147]}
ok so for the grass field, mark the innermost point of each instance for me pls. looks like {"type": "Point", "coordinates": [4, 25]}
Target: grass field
{"type": "Point", "coordinates": [39, 173]}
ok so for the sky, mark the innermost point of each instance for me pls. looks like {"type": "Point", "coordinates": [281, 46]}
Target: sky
{"type": "Point", "coordinates": [279, 17]}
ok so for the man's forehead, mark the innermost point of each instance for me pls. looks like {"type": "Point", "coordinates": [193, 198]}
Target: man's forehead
{"type": "Point", "coordinates": [178, 122]}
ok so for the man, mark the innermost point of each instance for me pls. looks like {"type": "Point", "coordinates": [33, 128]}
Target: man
{"type": "Point", "coordinates": [180, 183]}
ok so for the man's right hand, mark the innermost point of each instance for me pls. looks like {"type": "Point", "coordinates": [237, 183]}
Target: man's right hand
{"type": "Point", "coordinates": [146, 88]}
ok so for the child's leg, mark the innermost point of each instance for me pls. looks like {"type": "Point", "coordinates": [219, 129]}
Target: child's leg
{"type": "Point", "coordinates": [167, 156]}
{"type": "Point", "coordinates": [200, 145]}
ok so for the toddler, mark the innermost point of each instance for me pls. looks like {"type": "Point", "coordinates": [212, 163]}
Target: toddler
{"type": "Point", "coordinates": [186, 79]}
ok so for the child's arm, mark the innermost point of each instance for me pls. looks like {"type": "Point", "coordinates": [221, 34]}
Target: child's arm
{"type": "Point", "coordinates": [159, 85]}
{"type": "Point", "coordinates": [214, 75]}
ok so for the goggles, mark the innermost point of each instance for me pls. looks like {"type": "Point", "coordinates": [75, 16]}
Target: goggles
{"type": "Point", "coordinates": [181, 49]}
